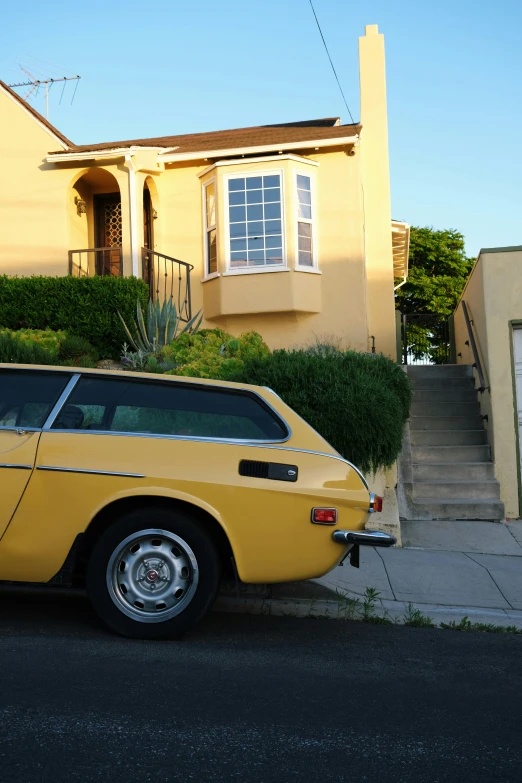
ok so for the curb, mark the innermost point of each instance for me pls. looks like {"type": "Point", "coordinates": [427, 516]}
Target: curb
{"type": "Point", "coordinates": [343, 610]}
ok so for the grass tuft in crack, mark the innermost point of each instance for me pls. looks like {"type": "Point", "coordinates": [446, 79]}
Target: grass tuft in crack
{"type": "Point", "coordinates": [415, 619]}
{"type": "Point", "coordinates": [466, 625]}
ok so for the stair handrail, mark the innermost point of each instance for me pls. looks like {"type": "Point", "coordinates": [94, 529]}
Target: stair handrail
{"type": "Point", "coordinates": [476, 357]}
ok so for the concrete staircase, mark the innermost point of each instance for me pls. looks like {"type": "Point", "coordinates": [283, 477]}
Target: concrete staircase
{"type": "Point", "coordinates": [445, 468]}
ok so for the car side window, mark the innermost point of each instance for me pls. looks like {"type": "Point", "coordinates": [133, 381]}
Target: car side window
{"type": "Point", "coordinates": [118, 405]}
{"type": "Point", "coordinates": [27, 397]}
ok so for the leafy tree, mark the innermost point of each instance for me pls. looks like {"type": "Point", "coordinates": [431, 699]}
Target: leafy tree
{"type": "Point", "coordinates": [438, 270]}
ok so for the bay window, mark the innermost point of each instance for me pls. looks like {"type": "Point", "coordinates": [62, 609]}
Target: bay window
{"type": "Point", "coordinates": [209, 191]}
{"type": "Point", "coordinates": [255, 213]}
{"type": "Point", "coordinates": [305, 238]}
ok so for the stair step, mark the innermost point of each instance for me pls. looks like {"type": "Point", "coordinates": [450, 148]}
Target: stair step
{"type": "Point", "coordinates": [431, 384]}
{"type": "Point", "coordinates": [453, 490]}
{"type": "Point", "coordinates": [438, 408]}
{"type": "Point", "coordinates": [448, 437]}
{"type": "Point", "coordinates": [453, 471]}
{"type": "Point", "coordinates": [454, 454]}
{"type": "Point", "coordinates": [440, 370]}
{"type": "Point", "coordinates": [445, 395]}
{"type": "Point", "coordinates": [461, 508]}
{"type": "Point", "coordinates": [446, 423]}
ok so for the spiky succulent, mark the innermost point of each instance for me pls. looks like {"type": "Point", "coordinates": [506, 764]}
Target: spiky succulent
{"type": "Point", "coordinates": [162, 326]}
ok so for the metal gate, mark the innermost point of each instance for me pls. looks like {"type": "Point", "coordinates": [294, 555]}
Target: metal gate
{"type": "Point", "coordinates": [427, 338]}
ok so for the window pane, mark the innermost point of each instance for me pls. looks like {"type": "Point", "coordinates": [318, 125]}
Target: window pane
{"type": "Point", "coordinates": [304, 229]}
{"type": "Point", "coordinates": [273, 194]}
{"type": "Point", "coordinates": [263, 200]}
{"type": "Point", "coordinates": [272, 227]}
{"type": "Point", "coordinates": [255, 229]}
{"type": "Point", "coordinates": [254, 182]}
{"type": "Point", "coordinates": [238, 229]}
{"type": "Point", "coordinates": [303, 182]}
{"type": "Point", "coordinates": [305, 243]}
{"type": "Point", "coordinates": [212, 251]}
{"type": "Point", "coordinates": [238, 244]}
{"type": "Point", "coordinates": [255, 212]}
{"type": "Point", "coordinates": [238, 259]}
{"type": "Point", "coordinates": [273, 241]}
{"type": "Point", "coordinates": [304, 211]}
{"type": "Point", "coordinates": [256, 244]}
{"type": "Point", "coordinates": [254, 196]}
{"type": "Point", "coordinates": [272, 211]}
{"type": "Point", "coordinates": [237, 197]}
{"type": "Point", "coordinates": [236, 184]}
{"type": "Point", "coordinates": [27, 398]}
{"type": "Point", "coordinates": [171, 409]}
{"type": "Point", "coordinates": [210, 204]}
{"type": "Point", "coordinates": [237, 214]}
{"type": "Point", "coordinates": [305, 259]}
{"type": "Point", "coordinates": [305, 197]}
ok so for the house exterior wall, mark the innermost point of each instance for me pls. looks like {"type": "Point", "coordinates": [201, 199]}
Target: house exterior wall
{"type": "Point", "coordinates": [493, 295]}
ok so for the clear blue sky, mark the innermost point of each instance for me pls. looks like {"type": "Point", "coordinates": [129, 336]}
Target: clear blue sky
{"type": "Point", "coordinates": [157, 68]}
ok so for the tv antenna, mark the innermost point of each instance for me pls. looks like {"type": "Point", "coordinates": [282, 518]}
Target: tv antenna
{"type": "Point", "coordinates": [34, 82]}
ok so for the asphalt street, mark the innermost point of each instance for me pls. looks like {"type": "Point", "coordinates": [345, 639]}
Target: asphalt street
{"type": "Point", "coordinates": [249, 698]}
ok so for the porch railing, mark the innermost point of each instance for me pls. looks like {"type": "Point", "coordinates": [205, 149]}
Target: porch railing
{"type": "Point", "coordinates": [104, 261]}
{"type": "Point", "coordinates": [168, 279]}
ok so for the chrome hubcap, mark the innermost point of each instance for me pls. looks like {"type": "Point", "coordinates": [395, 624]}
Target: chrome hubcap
{"type": "Point", "coordinates": [152, 575]}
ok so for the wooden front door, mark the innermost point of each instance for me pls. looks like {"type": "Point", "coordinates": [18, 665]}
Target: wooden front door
{"type": "Point", "coordinates": [108, 234]}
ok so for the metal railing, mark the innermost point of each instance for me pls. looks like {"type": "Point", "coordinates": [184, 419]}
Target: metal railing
{"type": "Point", "coordinates": [474, 348]}
{"type": "Point", "coordinates": [168, 279]}
{"type": "Point", "coordinates": [425, 339]}
{"type": "Point", "coordinates": [90, 261]}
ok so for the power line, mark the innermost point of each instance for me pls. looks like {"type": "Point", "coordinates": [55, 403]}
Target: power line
{"type": "Point", "coordinates": [331, 63]}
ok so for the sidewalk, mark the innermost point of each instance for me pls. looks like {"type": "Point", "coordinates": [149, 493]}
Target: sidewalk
{"type": "Point", "coordinates": [445, 569]}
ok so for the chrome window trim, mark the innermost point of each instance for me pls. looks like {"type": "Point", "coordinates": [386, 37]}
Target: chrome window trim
{"type": "Point", "coordinates": [19, 430]}
{"type": "Point", "coordinates": [62, 399]}
{"type": "Point", "coordinates": [249, 392]}
{"type": "Point", "coordinates": [222, 441]}
{"type": "Point", "coordinates": [58, 469]}
{"type": "Point", "coordinates": [16, 467]}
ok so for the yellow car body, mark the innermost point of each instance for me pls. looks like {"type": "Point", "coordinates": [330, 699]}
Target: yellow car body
{"type": "Point", "coordinates": [59, 483]}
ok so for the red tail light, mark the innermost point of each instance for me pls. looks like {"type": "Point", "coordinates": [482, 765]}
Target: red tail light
{"type": "Point", "coordinates": [324, 516]}
{"type": "Point", "coordinates": [375, 503]}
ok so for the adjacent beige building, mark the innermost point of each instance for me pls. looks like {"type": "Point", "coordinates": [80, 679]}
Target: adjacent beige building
{"type": "Point", "coordinates": [493, 298]}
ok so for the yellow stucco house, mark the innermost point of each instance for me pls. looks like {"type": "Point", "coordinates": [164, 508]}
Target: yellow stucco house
{"type": "Point", "coordinates": [285, 229]}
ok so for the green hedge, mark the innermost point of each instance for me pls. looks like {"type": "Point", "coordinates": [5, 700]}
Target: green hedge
{"type": "Point", "coordinates": [359, 402]}
{"type": "Point", "coordinates": [86, 307]}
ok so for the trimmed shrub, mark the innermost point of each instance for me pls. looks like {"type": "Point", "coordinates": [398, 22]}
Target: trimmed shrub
{"type": "Point", "coordinates": [87, 307]}
{"type": "Point", "coordinates": [359, 402]}
{"type": "Point", "coordinates": [45, 338]}
{"type": "Point", "coordinates": [213, 353]}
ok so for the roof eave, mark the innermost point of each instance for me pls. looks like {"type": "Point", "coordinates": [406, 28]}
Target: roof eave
{"type": "Point", "coordinates": [285, 146]}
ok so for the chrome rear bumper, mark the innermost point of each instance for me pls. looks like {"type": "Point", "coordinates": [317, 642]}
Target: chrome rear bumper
{"type": "Point", "coordinates": [363, 537]}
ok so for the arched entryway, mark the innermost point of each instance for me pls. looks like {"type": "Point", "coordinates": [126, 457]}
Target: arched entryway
{"type": "Point", "coordinates": [96, 225]}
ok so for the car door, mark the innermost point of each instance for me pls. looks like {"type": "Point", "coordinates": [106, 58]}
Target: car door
{"type": "Point", "coordinates": [26, 399]}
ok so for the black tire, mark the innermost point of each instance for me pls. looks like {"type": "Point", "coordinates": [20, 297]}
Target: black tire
{"type": "Point", "coordinates": [115, 607]}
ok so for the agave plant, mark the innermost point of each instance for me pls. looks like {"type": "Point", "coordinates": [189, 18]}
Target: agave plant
{"type": "Point", "coordinates": [162, 327]}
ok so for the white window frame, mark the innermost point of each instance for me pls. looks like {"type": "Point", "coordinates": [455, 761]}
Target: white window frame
{"type": "Point", "coordinates": [206, 228]}
{"type": "Point", "coordinates": [313, 222]}
{"type": "Point", "coordinates": [261, 269]}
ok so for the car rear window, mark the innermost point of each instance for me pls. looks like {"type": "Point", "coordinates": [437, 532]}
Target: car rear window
{"type": "Point", "coordinates": [27, 398]}
{"type": "Point", "coordinates": [114, 405]}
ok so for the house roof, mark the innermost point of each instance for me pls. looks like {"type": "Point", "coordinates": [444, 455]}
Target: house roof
{"type": "Point", "coordinates": [305, 130]}
{"type": "Point", "coordinates": [187, 143]}
{"type": "Point", "coordinates": [36, 115]}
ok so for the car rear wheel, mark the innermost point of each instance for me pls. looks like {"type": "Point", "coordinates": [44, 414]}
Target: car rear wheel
{"type": "Point", "coordinates": [153, 574]}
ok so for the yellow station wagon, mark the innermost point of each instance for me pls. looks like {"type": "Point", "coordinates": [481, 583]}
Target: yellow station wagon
{"type": "Point", "coordinates": [144, 487]}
